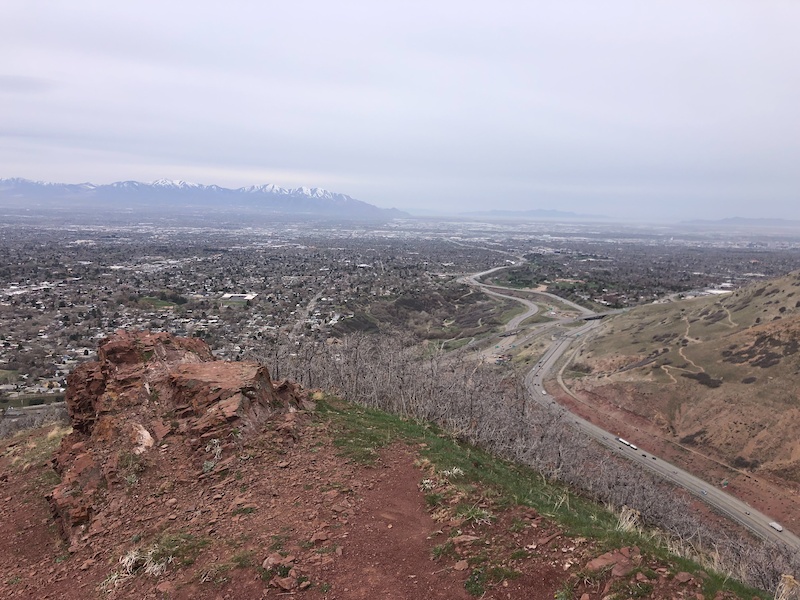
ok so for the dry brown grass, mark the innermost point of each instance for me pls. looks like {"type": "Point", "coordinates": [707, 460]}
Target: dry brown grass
{"type": "Point", "coordinates": [728, 365]}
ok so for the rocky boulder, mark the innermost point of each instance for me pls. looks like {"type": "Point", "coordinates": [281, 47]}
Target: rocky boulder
{"type": "Point", "coordinates": [143, 388]}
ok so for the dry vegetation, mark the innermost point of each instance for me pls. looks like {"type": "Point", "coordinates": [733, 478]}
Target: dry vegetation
{"type": "Point", "coordinates": [477, 405]}
{"type": "Point", "coordinates": [719, 372]}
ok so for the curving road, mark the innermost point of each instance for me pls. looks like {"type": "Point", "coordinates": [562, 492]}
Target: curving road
{"type": "Point", "coordinates": [733, 508]}
{"type": "Point", "coordinates": [508, 340]}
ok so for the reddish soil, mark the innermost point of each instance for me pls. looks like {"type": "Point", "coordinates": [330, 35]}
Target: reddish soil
{"type": "Point", "coordinates": [777, 499]}
{"type": "Point", "coordinates": [389, 541]}
{"type": "Point", "coordinates": [351, 531]}
{"type": "Point", "coordinates": [354, 531]}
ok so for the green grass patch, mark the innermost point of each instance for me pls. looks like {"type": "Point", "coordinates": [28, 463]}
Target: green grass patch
{"type": "Point", "coordinates": [155, 302]}
{"type": "Point", "coordinates": [244, 559]}
{"type": "Point", "coordinates": [576, 323]}
{"type": "Point", "coordinates": [456, 344]}
{"type": "Point", "coordinates": [434, 499]}
{"type": "Point", "coordinates": [572, 374]}
{"type": "Point", "coordinates": [360, 433]}
{"type": "Point", "coordinates": [448, 549]}
{"type": "Point", "coordinates": [37, 451]}
{"type": "Point", "coordinates": [475, 515]}
{"type": "Point", "coordinates": [539, 317]}
{"type": "Point", "coordinates": [476, 583]}
{"type": "Point", "coordinates": [565, 591]}
{"type": "Point", "coordinates": [48, 478]}
{"type": "Point", "coordinates": [480, 577]}
{"type": "Point", "coordinates": [243, 510]}
{"type": "Point", "coordinates": [24, 400]}
{"type": "Point", "coordinates": [216, 574]}
{"type": "Point", "coordinates": [510, 313]}
{"type": "Point", "coordinates": [8, 375]}
{"type": "Point", "coordinates": [517, 525]}
{"type": "Point", "coordinates": [278, 541]}
{"type": "Point", "coordinates": [183, 548]}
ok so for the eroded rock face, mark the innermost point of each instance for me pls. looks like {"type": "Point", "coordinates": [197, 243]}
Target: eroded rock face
{"type": "Point", "coordinates": [143, 388]}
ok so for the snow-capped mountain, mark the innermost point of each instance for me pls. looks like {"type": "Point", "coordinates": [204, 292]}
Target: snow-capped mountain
{"type": "Point", "coordinates": [179, 185]}
{"type": "Point", "coordinates": [167, 194]}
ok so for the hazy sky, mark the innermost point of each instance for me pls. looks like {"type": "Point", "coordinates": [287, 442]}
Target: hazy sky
{"type": "Point", "coordinates": [644, 109]}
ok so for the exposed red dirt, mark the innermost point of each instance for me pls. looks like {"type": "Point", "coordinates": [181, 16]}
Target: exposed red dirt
{"type": "Point", "coordinates": [263, 506]}
{"type": "Point", "coordinates": [351, 531]}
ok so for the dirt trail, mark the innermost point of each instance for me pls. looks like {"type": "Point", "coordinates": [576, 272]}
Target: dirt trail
{"type": "Point", "coordinates": [388, 549]}
{"type": "Point", "coordinates": [356, 532]}
{"type": "Point", "coordinates": [680, 348]}
{"type": "Point", "coordinates": [666, 368]}
{"type": "Point", "coordinates": [733, 324]}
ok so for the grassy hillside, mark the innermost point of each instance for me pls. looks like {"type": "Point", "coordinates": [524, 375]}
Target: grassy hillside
{"type": "Point", "coordinates": [452, 312]}
{"type": "Point", "coordinates": [716, 371]}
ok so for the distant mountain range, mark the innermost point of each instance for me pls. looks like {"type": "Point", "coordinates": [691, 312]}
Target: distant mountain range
{"type": "Point", "coordinates": [536, 213]}
{"type": "Point", "coordinates": [731, 222]}
{"type": "Point", "coordinates": [169, 195]}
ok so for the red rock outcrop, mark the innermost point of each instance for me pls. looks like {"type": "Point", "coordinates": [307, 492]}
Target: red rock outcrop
{"type": "Point", "coordinates": [143, 388]}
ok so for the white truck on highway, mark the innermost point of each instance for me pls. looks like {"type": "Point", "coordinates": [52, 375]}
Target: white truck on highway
{"type": "Point", "coordinates": [627, 443]}
{"type": "Point", "coordinates": [776, 527]}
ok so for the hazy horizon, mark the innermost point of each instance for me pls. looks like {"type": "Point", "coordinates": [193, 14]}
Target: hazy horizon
{"type": "Point", "coordinates": [659, 111]}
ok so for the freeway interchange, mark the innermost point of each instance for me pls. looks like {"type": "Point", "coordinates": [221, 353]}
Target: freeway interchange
{"type": "Point", "coordinates": [725, 504]}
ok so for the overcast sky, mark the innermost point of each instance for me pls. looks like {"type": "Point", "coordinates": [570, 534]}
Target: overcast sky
{"type": "Point", "coordinates": [639, 109]}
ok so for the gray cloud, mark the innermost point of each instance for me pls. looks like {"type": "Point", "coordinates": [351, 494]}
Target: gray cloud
{"type": "Point", "coordinates": [20, 84]}
{"type": "Point", "coordinates": [658, 109]}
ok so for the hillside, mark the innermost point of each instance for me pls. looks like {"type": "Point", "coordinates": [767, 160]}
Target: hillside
{"type": "Point", "coordinates": [181, 476]}
{"type": "Point", "coordinates": [716, 373]}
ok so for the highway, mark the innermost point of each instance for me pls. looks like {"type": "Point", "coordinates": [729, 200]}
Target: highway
{"type": "Point", "coordinates": [733, 508]}
{"type": "Point", "coordinates": [508, 341]}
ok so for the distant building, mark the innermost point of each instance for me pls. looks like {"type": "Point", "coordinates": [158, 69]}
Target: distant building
{"type": "Point", "coordinates": [238, 297]}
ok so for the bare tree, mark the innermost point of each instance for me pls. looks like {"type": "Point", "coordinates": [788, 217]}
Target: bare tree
{"type": "Point", "coordinates": [489, 408]}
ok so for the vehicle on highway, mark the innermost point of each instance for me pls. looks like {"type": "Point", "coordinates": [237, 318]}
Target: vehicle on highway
{"type": "Point", "coordinates": [627, 443]}
{"type": "Point", "coordinates": [534, 381]}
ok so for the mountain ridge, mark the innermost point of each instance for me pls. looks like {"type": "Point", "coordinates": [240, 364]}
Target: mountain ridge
{"type": "Point", "coordinates": [729, 222]}
{"type": "Point", "coordinates": [268, 197]}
